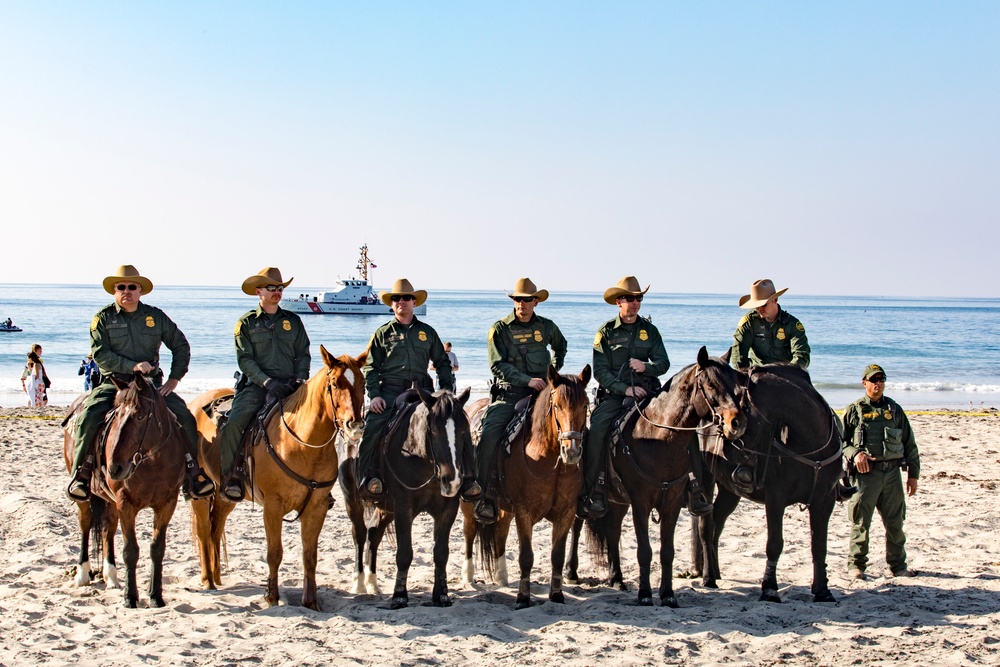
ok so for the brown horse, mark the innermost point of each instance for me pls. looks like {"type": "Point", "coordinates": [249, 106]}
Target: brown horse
{"type": "Point", "coordinates": [142, 465]}
{"type": "Point", "coordinates": [294, 462]}
{"type": "Point", "coordinates": [541, 480]}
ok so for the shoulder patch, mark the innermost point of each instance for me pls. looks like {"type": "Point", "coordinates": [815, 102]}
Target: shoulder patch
{"type": "Point", "coordinates": [239, 328]}
{"type": "Point", "coordinates": [94, 322]}
{"type": "Point", "coordinates": [744, 320]}
{"type": "Point", "coordinates": [597, 339]}
{"type": "Point", "coordinates": [798, 325]}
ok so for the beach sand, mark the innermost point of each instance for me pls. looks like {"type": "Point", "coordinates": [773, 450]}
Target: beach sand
{"type": "Point", "coordinates": [949, 614]}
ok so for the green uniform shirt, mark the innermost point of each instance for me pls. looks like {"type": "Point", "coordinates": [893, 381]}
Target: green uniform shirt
{"type": "Point", "coordinates": [616, 343]}
{"type": "Point", "coordinates": [401, 352]}
{"type": "Point", "coordinates": [757, 341]}
{"type": "Point", "coordinates": [119, 340]}
{"type": "Point", "coordinates": [272, 346]}
{"type": "Point", "coordinates": [881, 430]}
{"type": "Point", "coordinates": [518, 351]}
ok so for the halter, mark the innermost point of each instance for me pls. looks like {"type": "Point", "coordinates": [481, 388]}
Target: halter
{"type": "Point", "coordinates": [561, 435]}
{"type": "Point", "coordinates": [717, 420]}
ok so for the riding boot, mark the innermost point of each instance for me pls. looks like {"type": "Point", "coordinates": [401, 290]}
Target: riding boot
{"type": "Point", "coordinates": [232, 484]}
{"type": "Point", "coordinates": [595, 504]}
{"type": "Point", "coordinates": [485, 509]}
{"type": "Point", "coordinates": [470, 489]}
{"type": "Point", "coordinates": [79, 485]}
{"type": "Point", "coordinates": [198, 483]}
{"type": "Point", "coordinates": [698, 503]}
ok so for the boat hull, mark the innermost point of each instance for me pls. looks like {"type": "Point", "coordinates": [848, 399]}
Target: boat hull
{"type": "Point", "coordinates": [302, 307]}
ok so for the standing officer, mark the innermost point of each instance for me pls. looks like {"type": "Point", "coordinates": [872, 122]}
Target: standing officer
{"type": "Point", "coordinates": [629, 358]}
{"type": "Point", "coordinates": [398, 356]}
{"type": "Point", "coordinates": [880, 442]}
{"type": "Point", "coordinates": [768, 334]}
{"type": "Point", "coordinates": [272, 351]}
{"type": "Point", "coordinates": [519, 359]}
{"type": "Point", "coordinates": [125, 339]}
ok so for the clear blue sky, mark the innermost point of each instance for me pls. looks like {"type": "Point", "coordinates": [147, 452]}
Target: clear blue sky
{"type": "Point", "coordinates": [838, 148]}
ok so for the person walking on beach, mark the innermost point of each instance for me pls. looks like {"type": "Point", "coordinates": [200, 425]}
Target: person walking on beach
{"type": "Point", "coordinates": [517, 349]}
{"type": "Point", "coordinates": [768, 334]}
{"type": "Point", "coordinates": [89, 371]}
{"type": "Point", "coordinates": [880, 443]}
{"type": "Point", "coordinates": [453, 358]}
{"type": "Point", "coordinates": [398, 355]}
{"type": "Point", "coordinates": [33, 379]}
{"type": "Point", "coordinates": [125, 339]}
{"type": "Point", "coordinates": [272, 351]}
{"type": "Point", "coordinates": [629, 358]}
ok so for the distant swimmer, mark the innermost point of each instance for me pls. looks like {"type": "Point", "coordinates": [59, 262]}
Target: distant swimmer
{"type": "Point", "coordinates": [768, 334]}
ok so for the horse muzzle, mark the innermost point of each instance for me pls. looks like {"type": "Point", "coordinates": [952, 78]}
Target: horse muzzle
{"type": "Point", "coordinates": [733, 423]}
{"type": "Point", "coordinates": [450, 480]}
{"type": "Point", "coordinates": [571, 449]}
{"type": "Point", "coordinates": [119, 472]}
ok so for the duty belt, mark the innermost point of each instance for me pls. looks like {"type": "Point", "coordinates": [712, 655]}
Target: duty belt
{"type": "Point", "coordinates": [399, 385]}
{"type": "Point", "coordinates": [886, 466]}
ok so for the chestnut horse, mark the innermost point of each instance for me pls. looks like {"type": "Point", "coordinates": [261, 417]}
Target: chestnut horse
{"type": "Point", "coordinates": [541, 480]}
{"type": "Point", "coordinates": [142, 465]}
{"type": "Point", "coordinates": [652, 462]}
{"type": "Point", "coordinates": [424, 449]}
{"type": "Point", "coordinates": [294, 462]}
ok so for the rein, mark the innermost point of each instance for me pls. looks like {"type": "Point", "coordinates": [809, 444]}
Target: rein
{"type": "Point", "coordinates": [716, 425]}
{"type": "Point", "coordinates": [139, 456]}
{"type": "Point", "coordinates": [560, 436]}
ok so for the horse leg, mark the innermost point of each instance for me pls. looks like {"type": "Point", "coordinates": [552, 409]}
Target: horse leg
{"type": "Point", "coordinates": [712, 525]}
{"type": "Point", "coordinates": [201, 526]}
{"type": "Point", "coordinates": [775, 514]}
{"type": "Point", "coordinates": [500, 576]}
{"type": "Point", "coordinates": [84, 515]}
{"type": "Point", "coordinates": [668, 523]}
{"type": "Point", "coordinates": [819, 524]}
{"type": "Point", "coordinates": [310, 525]}
{"type": "Point", "coordinates": [404, 557]}
{"type": "Point", "coordinates": [560, 531]}
{"type": "Point", "coordinates": [573, 562]}
{"type": "Point", "coordinates": [221, 509]}
{"type": "Point", "coordinates": [157, 549]}
{"type": "Point", "coordinates": [469, 533]}
{"type": "Point", "coordinates": [442, 529]}
{"type": "Point", "coordinates": [275, 551]}
{"type": "Point", "coordinates": [109, 526]}
{"type": "Point", "coordinates": [131, 555]}
{"type": "Point", "coordinates": [616, 517]}
{"type": "Point", "coordinates": [374, 540]}
{"type": "Point", "coordinates": [644, 553]}
{"type": "Point", "coordinates": [526, 559]}
{"type": "Point", "coordinates": [359, 531]}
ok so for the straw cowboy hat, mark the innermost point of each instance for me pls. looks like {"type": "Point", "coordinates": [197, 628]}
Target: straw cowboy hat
{"type": "Point", "coordinates": [127, 273]}
{"type": "Point", "coordinates": [525, 288]}
{"type": "Point", "coordinates": [761, 292]}
{"type": "Point", "coordinates": [269, 275]}
{"type": "Point", "coordinates": [627, 286]}
{"type": "Point", "coordinates": [400, 288]}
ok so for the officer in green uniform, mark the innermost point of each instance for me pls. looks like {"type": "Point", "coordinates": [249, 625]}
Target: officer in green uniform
{"type": "Point", "coordinates": [517, 349]}
{"type": "Point", "coordinates": [125, 339]}
{"type": "Point", "coordinates": [768, 334]}
{"type": "Point", "coordinates": [398, 355]}
{"type": "Point", "coordinates": [272, 351]}
{"type": "Point", "coordinates": [629, 358]}
{"type": "Point", "coordinates": [879, 443]}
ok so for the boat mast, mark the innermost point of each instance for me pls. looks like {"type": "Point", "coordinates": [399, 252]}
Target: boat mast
{"type": "Point", "coordinates": [364, 262]}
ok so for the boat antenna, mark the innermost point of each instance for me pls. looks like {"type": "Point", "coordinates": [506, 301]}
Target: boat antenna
{"type": "Point", "coordinates": [364, 263]}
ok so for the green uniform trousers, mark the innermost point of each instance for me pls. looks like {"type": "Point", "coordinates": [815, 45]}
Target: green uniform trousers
{"type": "Point", "coordinates": [99, 403]}
{"type": "Point", "coordinates": [495, 421]}
{"type": "Point", "coordinates": [246, 404]}
{"type": "Point", "coordinates": [375, 422]}
{"type": "Point", "coordinates": [595, 440]}
{"type": "Point", "coordinates": [882, 491]}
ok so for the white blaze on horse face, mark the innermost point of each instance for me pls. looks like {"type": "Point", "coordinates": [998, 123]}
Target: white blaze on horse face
{"type": "Point", "coordinates": [349, 375]}
{"type": "Point", "coordinates": [449, 430]}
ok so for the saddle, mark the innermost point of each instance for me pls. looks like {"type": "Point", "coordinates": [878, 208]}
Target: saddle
{"type": "Point", "coordinates": [522, 412]}
{"type": "Point", "coordinates": [405, 404]}
{"type": "Point", "coordinates": [218, 411]}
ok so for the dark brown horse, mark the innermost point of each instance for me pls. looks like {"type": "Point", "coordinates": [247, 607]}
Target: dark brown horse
{"type": "Point", "coordinates": [652, 463]}
{"type": "Point", "coordinates": [793, 444]}
{"type": "Point", "coordinates": [142, 466]}
{"type": "Point", "coordinates": [423, 464]}
{"type": "Point", "coordinates": [541, 480]}
{"type": "Point", "coordinates": [294, 463]}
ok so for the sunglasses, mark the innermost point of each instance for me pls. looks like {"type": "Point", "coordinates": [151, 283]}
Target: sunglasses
{"type": "Point", "coordinates": [127, 288]}
{"type": "Point", "coordinates": [877, 379]}
{"type": "Point", "coordinates": [275, 288]}
{"type": "Point", "coordinates": [630, 299]}
{"type": "Point", "coordinates": [524, 299]}
{"type": "Point", "coordinates": [401, 297]}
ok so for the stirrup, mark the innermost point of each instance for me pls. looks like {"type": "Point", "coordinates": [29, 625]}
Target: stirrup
{"type": "Point", "coordinates": [698, 504]}
{"type": "Point", "coordinates": [471, 490]}
{"type": "Point", "coordinates": [485, 511]}
{"type": "Point", "coordinates": [592, 507]}
{"type": "Point", "coordinates": [199, 485]}
{"type": "Point", "coordinates": [743, 476]}
{"type": "Point", "coordinates": [78, 490]}
{"type": "Point", "coordinates": [372, 486]}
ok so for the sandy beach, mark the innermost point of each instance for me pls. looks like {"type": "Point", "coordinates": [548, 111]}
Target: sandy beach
{"type": "Point", "coordinates": [949, 614]}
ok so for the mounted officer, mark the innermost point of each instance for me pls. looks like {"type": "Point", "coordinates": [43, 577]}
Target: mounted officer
{"type": "Point", "coordinates": [125, 339]}
{"type": "Point", "coordinates": [272, 351]}
{"type": "Point", "coordinates": [629, 358]}
{"type": "Point", "coordinates": [398, 355]}
{"type": "Point", "coordinates": [768, 334]}
{"type": "Point", "coordinates": [518, 352]}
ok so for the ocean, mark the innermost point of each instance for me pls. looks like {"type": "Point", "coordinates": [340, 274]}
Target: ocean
{"type": "Point", "coordinates": [938, 353]}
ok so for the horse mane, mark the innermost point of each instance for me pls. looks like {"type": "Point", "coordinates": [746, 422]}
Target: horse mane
{"type": "Point", "coordinates": [790, 374]}
{"type": "Point", "coordinates": [295, 401]}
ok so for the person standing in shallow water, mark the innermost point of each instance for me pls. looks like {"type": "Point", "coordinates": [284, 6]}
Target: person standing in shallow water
{"type": "Point", "coordinates": [880, 443]}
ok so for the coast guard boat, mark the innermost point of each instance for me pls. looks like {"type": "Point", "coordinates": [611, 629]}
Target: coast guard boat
{"type": "Point", "coordinates": [353, 296]}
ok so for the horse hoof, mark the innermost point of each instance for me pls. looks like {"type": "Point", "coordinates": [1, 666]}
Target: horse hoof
{"type": "Point", "coordinates": [557, 597]}
{"type": "Point", "coordinates": [770, 595]}
{"type": "Point", "coordinates": [825, 596]}
{"type": "Point", "coordinates": [621, 586]}
{"type": "Point", "coordinates": [646, 601]}
{"type": "Point", "coordinates": [313, 606]}
{"type": "Point", "coordinates": [442, 601]}
{"type": "Point", "coordinates": [669, 601]}
{"type": "Point", "coordinates": [398, 603]}
{"type": "Point", "coordinates": [522, 604]}
{"type": "Point", "coordinates": [157, 601]}
{"type": "Point", "coordinates": [129, 603]}
{"type": "Point", "coordinates": [710, 583]}
{"type": "Point", "coordinates": [271, 602]}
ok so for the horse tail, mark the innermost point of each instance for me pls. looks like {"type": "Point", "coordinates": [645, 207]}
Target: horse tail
{"type": "Point", "coordinates": [597, 539]}
{"type": "Point", "coordinates": [487, 536]}
{"type": "Point", "coordinates": [98, 523]}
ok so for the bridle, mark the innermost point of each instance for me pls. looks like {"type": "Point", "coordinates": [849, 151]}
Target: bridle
{"type": "Point", "coordinates": [561, 436]}
{"type": "Point", "coordinates": [146, 419]}
{"type": "Point", "coordinates": [717, 419]}
{"type": "Point", "coordinates": [338, 424]}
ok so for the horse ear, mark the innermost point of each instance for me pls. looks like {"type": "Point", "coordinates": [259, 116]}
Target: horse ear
{"type": "Point", "coordinates": [585, 375]}
{"type": "Point", "coordinates": [725, 355]}
{"type": "Point", "coordinates": [425, 397]}
{"type": "Point", "coordinates": [362, 358]}
{"type": "Point", "coordinates": [702, 357]}
{"type": "Point", "coordinates": [464, 396]}
{"type": "Point", "coordinates": [554, 378]}
{"type": "Point", "coordinates": [328, 359]}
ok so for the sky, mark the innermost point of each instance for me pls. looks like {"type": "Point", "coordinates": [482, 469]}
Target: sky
{"type": "Point", "coordinates": [847, 148]}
